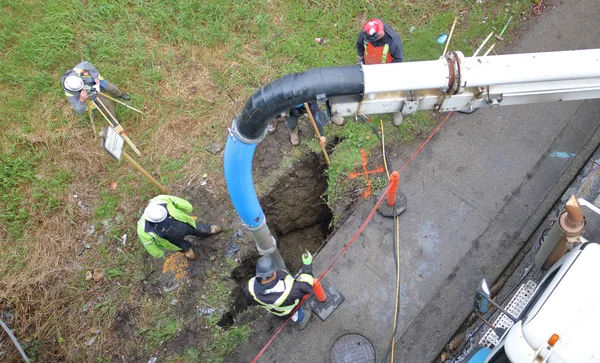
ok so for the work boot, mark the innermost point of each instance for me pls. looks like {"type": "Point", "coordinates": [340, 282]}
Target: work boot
{"type": "Point", "coordinates": [125, 96]}
{"type": "Point", "coordinates": [338, 120]}
{"type": "Point", "coordinates": [307, 315]}
{"type": "Point", "coordinates": [294, 138]}
{"type": "Point", "coordinates": [398, 118]}
{"type": "Point", "coordinates": [215, 228]}
{"type": "Point", "coordinates": [190, 254]}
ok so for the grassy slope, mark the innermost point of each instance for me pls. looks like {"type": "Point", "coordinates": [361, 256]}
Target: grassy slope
{"type": "Point", "coordinates": [191, 65]}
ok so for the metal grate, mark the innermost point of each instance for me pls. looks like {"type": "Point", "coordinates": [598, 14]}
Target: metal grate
{"type": "Point", "coordinates": [515, 306]}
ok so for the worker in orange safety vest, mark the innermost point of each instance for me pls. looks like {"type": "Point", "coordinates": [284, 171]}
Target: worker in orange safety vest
{"type": "Point", "coordinates": [378, 43]}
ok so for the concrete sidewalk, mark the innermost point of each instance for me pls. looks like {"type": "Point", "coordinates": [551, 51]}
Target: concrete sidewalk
{"type": "Point", "coordinates": [475, 194]}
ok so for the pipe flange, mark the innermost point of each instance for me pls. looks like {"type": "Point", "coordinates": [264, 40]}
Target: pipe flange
{"type": "Point", "coordinates": [454, 82]}
{"type": "Point", "coordinates": [569, 228]}
{"type": "Point", "coordinates": [235, 132]}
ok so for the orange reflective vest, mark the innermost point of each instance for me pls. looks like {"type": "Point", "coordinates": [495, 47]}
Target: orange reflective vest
{"type": "Point", "coordinates": [377, 55]}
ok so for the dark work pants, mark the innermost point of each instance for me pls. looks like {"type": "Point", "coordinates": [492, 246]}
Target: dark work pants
{"type": "Point", "coordinates": [175, 231]}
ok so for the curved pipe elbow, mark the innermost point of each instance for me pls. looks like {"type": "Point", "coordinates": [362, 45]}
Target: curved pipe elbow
{"type": "Point", "coordinates": [250, 127]}
{"type": "Point", "coordinates": [291, 90]}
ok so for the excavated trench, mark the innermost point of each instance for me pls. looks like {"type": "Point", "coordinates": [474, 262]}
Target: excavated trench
{"type": "Point", "coordinates": [298, 218]}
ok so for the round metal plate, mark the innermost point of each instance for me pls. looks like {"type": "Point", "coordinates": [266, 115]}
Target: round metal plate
{"type": "Point", "coordinates": [352, 348]}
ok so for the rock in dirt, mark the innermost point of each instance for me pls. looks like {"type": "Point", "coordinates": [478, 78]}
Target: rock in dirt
{"type": "Point", "coordinates": [238, 234]}
{"type": "Point", "coordinates": [88, 275]}
{"type": "Point", "coordinates": [231, 248]}
{"type": "Point", "coordinates": [214, 148]}
{"type": "Point", "coordinates": [98, 274]}
{"type": "Point", "coordinates": [168, 282]}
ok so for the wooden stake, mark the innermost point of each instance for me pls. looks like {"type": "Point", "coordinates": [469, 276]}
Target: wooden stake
{"type": "Point", "coordinates": [139, 168]}
{"type": "Point", "coordinates": [489, 50]}
{"type": "Point", "coordinates": [312, 120]}
{"type": "Point", "coordinates": [482, 44]}
{"type": "Point", "coordinates": [449, 37]}
{"type": "Point", "coordinates": [91, 114]}
{"type": "Point", "coordinates": [122, 103]}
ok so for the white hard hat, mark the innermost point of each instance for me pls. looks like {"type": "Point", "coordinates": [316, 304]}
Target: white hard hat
{"type": "Point", "coordinates": [73, 83]}
{"type": "Point", "coordinates": [155, 213]}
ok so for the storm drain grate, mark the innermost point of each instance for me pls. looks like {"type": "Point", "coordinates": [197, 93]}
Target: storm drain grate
{"type": "Point", "coordinates": [515, 306]}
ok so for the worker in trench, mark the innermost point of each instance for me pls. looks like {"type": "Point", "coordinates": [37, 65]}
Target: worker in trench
{"type": "Point", "coordinates": [83, 81]}
{"type": "Point", "coordinates": [299, 110]}
{"type": "Point", "coordinates": [278, 292]}
{"type": "Point", "coordinates": [166, 222]}
{"type": "Point", "coordinates": [378, 43]}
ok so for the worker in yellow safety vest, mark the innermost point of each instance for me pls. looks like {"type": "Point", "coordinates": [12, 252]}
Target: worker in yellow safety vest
{"type": "Point", "coordinates": [378, 43]}
{"type": "Point", "coordinates": [278, 292]}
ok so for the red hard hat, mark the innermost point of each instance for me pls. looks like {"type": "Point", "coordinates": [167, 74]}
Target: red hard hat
{"type": "Point", "coordinates": [373, 29]}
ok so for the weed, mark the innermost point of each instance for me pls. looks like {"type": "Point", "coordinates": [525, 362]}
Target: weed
{"type": "Point", "coordinates": [224, 342]}
{"type": "Point", "coordinates": [164, 330]}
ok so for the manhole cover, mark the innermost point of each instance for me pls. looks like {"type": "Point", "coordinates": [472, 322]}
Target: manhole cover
{"type": "Point", "coordinates": [352, 348]}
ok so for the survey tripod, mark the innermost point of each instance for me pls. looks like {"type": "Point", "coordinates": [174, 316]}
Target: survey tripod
{"type": "Point", "coordinates": [93, 98]}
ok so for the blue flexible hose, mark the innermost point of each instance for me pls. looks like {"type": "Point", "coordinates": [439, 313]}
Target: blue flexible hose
{"type": "Point", "coordinates": [238, 175]}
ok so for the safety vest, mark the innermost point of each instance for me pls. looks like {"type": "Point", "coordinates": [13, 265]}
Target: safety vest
{"type": "Point", "coordinates": [275, 308]}
{"type": "Point", "coordinates": [377, 55]}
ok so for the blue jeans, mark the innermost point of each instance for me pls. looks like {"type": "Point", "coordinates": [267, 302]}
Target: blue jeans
{"type": "Point", "coordinates": [300, 315]}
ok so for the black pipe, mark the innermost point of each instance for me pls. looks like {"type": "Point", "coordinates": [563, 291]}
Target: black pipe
{"type": "Point", "coordinates": [294, 89]}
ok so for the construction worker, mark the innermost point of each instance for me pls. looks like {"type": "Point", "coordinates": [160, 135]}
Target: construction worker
{"type": "Point", "coordinates": [278, 292]}
{"type": "Point", "coordinates": [296, 112]}
{"type": "Point", "coordinates": [378, 43]}
{"type": "Point", "coordinates": [84, 80]}
{"type": "Point", "coordinates": [166, 222]}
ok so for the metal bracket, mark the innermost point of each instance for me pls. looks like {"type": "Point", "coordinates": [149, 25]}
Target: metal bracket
{"type": "Point", "coordinates": [410, 107]}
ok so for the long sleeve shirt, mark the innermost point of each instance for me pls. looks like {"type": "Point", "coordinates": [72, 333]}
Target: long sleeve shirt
{"type": "Point", "coordinates": [269, 293]}
{"type": "Point", "coordinates": [73, 97]}
{"type": "Point", "coordinates": [391, 38]}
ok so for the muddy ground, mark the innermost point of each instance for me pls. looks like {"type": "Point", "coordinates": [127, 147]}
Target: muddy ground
{"type": "Point", "coordinates": [298, 216]}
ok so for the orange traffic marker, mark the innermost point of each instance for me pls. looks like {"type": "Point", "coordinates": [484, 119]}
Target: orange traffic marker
{"type": "Point", "coordinates": [319, 292]}
{"type": "Point", "coordinates": [391, 198]}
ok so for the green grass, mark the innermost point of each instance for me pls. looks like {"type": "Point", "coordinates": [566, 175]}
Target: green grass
{"type": "Point", "coordinates": [47, 153]}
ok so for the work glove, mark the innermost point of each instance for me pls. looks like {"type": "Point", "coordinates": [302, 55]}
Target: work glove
{"type": "Point", "coordinates": [307, 258]}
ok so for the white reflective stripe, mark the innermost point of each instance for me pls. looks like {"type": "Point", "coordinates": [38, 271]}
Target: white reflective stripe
{"type": "Point", "coordinates": [279, 287]}
{"type": "Point", "coordinates": [147, 243]}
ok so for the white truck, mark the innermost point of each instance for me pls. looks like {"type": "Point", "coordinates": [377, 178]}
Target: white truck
{"type": "Point", "coordinates": [560, 322]}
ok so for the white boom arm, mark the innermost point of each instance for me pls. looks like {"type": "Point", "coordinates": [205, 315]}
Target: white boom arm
{"type": "Point", "coordinates": [455, 82]}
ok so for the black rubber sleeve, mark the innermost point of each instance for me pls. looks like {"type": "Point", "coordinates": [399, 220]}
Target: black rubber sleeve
{"type": "Point", "coordinates": [294, 89]}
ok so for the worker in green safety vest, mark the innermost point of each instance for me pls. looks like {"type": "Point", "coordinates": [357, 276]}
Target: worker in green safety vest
{"type": "Point", "coordinates": [278, 292]}
{"type": "Point", "coordinates": [166, 222]}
